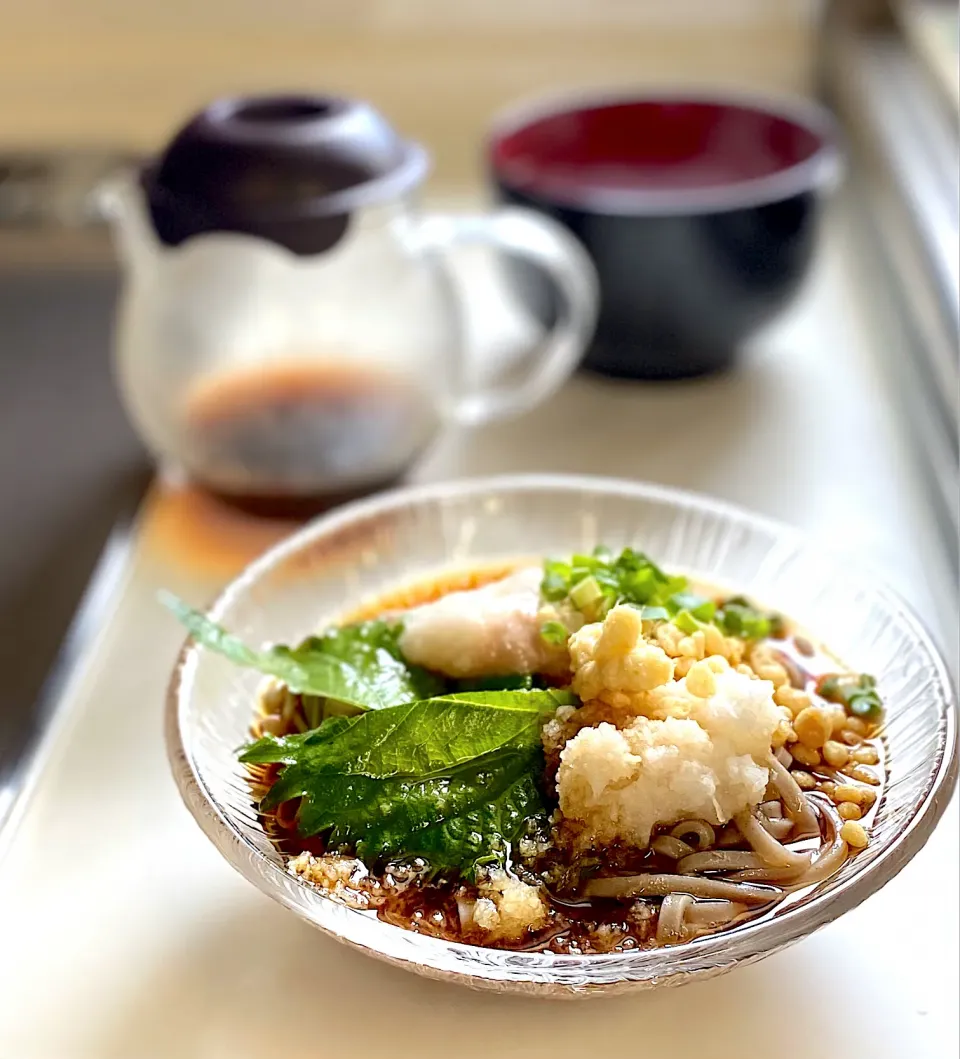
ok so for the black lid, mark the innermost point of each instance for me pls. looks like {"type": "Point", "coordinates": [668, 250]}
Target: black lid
{"type": "Point", "coordinates": [289, 169]}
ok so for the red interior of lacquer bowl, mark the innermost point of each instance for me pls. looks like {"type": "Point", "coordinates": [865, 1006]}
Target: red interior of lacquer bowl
{"type": "Point", "coordinates": [649, 146]}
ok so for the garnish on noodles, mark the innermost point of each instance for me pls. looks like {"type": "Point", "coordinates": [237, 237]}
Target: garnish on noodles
{"type": "Point", "coordinates": [593, 755]}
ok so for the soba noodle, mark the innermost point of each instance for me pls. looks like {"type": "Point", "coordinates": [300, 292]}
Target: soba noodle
{"type": "Point", "coordinates": [670, 920]}
{"type": "Point", "coordinates": [718, 860]}
{"type": "Point", "coordinates": [699, 829]}
{"type": "Point", "coordinates": [669, 846]}
{"type": "Point", "coordinates": [695, 899]}
{"type": "Point", "coordinates": [620, 886]}
{"type": "Point", "coordinates": [767, 848]}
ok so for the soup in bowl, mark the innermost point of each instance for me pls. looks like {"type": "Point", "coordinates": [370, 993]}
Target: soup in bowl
{"type": "Point", "coordinates": [560, 735]}
{"type": "Point", "coordinates": [699, 212]}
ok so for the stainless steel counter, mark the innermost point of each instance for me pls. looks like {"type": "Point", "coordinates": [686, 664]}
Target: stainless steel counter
{"type": "Point", "coordinates": [883, 70]}
{"type": "Point", "coordinates": [70, 468]}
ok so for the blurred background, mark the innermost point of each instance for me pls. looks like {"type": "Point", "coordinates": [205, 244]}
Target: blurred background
{"type": "Point", "coordinates": [93, 86]}
{"type": "Point", "coordinates": [840, 416]}
{"type": "Point", "coordinates": [117, 77]}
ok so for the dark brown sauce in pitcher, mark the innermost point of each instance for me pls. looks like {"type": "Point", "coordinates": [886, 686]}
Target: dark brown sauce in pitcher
{"type": "Point", "coordinates": [293, 438]}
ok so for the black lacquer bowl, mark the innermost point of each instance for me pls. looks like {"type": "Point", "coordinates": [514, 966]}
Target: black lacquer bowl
{"type": "Point", "coordinates": [699, 213]}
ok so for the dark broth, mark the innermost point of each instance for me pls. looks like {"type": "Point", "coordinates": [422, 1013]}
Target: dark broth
{"type": "Point", "coordinates": [296, 437]}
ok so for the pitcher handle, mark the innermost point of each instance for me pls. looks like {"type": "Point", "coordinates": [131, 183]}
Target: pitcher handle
{"type": "Point", "coordinates": [549, 246]}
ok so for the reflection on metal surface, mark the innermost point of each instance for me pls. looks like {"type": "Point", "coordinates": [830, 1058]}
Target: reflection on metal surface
{"type": "Point", "coordinates": [906, 143]}
{"type": "Point", "coordinates": [24, 756]}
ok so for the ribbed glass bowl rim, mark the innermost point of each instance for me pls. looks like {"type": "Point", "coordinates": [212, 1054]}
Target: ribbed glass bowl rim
{"type": "Point", "coordinates": [544, 973]}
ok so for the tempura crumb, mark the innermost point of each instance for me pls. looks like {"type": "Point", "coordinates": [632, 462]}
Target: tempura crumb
{"type": "Point", "coordinates": [613, 663]}
{"type": "Point", "coordinates": [702, 644]}
{"type": "Point", "coordinates": [556, 731]}
{"type": "Point", "coordinates": [332, 872]}
{"type": "Point", "coordinates": [508, 908]}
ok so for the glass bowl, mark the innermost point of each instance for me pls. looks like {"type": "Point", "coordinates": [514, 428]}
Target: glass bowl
{"type": "Point", "coordinates": [361, 550]}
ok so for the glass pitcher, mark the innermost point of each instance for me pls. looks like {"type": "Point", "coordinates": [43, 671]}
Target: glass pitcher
{"type": "Point", "coordinates": [288, 327]}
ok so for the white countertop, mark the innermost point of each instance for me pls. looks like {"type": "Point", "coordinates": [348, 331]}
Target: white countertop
{"type": "Point", "coordinates": [125, 936]}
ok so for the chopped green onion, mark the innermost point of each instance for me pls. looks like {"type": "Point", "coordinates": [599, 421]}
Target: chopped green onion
{"type": "Point", "coordinates": [702, 609]}
{"type": "Point", "coordinates": [857, 693]}
{"type": "Point", "coordinates": [686, 600]}
{"type": "Point", "coordinates": [737, 617]}
{"type": "Point", "coordinates": [556, 580]}
{"type": "Point", "coordinates": [586, 593]}
{"type": "Point", "coordinates": [597, 582]}
{"type": "Point", "coordinates": [868, 706]}
{"type": "Point", "coordinates": [686, 622]}
{"type": "Point", "coordinates": [554, 632]}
